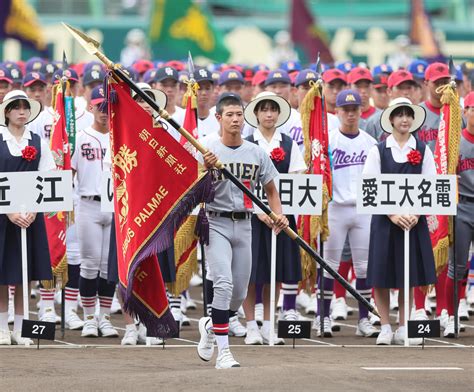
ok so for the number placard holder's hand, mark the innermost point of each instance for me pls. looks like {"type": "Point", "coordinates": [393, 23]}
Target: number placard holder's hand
{"type": "Point", "coordinates": [24, 269]}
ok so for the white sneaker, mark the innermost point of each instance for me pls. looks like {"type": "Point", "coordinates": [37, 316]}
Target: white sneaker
{"type": "Point", "coordinates": [420, 314]}
{"type": "Point", "coordinates": [290, 315]}
{"type": "Point", "coordinates": [327, 330]}
{"type": "Point", "coordinates": [463, 310]}
{"type": "Point", "coordinates": [443, 318]}
{"type": "Point", "coordinates": [225, 360]}
{"type": "Point", "coordinates": [130, 338]}
{"type": "Point", "coordinates": [339, 309]}
{"type": "Point", "coordinates": [470, 296]}
{"type": "Point", "coordinates": [449, 331]}
{"type": "Point", "coordinates": [17, 339]}
{"type": "Point", "coordinates": [374, 320]}
{"type": "Point", "coordinates": [106, 328]}
{"type": "Point", "coordinates": [312, 307]}
{"type": "Point", "coordinates": [302, 300]}
{"type": "Point", "coordinates": [90, 328]}
{"type": "Point", "coordinates": [266, 337]}
{"type": "Point", "coordinates": [177, 315]}
{"type": "Point", "coordinates": [190, 304]}
{"type": "Point", "coordinates": [236, 328]}
{"type": "Point", "coordinates": [73, 321]}
{"type": "Point", "coordinates": [385, 338]}
{"type": "Point", "coordinates": [142, 338]}
{"type": "Point", "coordinates": [393, 299]}
{"type": "Point", "coordinates": [241, 313]}
{"type": "Point", "coordinates": [253, 337]}
{"type": "Point", "coordinates": [185, 321]}
{"type": "Point", "coordinates": [196, 280]}
{"type": "Point", "coordinates": [429, 306]}
{"type": "Point", "coordinates": [49, 315]}
{"type": "Point", "coordinates": [5, 337]}
{"type": "Point", "coordinates": [57, 297]}
{"type": "Point", "coordinates": [205, 347]}
{"type": "Point", "coordinates": [259, 313]}
{"type": "Point", "coordinates": [399, 337]}
{"type": "Point", "coordinates": [365, 328]}
{"type": "Point", "coordinates": [116, 308]}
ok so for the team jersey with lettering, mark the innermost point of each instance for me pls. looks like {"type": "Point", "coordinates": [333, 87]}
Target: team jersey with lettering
{"type": "Point", "coordinates": [466, 165]}
{"type": "Point", "coordinates": [87, 161]}
{"type": "Point", "coordinates": [428, 132]}
{"type": "Point", "coordinates": [348, 158]}
{"type": "Point", "coordinates": [249, 163]}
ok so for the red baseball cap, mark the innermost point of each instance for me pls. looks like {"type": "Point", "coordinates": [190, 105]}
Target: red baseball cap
{"type": "Point", "coordinates": [259, 77]}
{"type": "Point", "coordinates": [437, 71]}
{"type": "Point", "coordinates": [469, 100]}
{"type": "Point", "coordinates": [359, 73]}
{"type": "Point", "coordinates": [398, 77]}
{"type": "Point", "coordinates": [334, 74]}
{"type": "Point", "coordinates": [141, 66]}
{"type": "Point", "coordinates": [380, 80]}
{"type": "Point", "coordinates": [177, 65]}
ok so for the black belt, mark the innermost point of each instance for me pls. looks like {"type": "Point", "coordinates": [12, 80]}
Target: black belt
{"type": "Point", "coordinates": [95, 198]}
{"type": "Point", "coordinates": [466, 199]}
{"type": "Point", "coordinates": [234, 215]}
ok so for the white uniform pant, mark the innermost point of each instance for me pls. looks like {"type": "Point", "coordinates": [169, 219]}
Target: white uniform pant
{"type": "Point", "coordinates": [93, 232]}
{"type": "Point", "coordinates": [344, 220]}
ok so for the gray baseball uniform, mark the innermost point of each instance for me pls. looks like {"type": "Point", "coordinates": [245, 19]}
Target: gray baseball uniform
{"type": "Point", "coordinates": [229, 251]}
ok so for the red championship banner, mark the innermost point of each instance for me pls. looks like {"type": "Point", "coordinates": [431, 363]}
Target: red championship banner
{"type": "Point", "coordinates": [446, 157]}
{"type": "Point", "coordinates": [157, 183]}
{"type": "Point", "coordinates": [316, 155]}
{"type": "Point", "coordinates": [55, 222]}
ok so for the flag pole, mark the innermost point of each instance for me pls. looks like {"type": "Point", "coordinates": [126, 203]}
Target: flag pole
{"type": "Point", "coordinates": [92, 47]}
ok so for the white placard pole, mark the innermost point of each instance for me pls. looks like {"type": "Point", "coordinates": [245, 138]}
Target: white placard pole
{"type": "Point", "coordinates": [272, 287]}
{"type": "Point", "coordinates": [406, 284]}
{"type": "Point", "coordinates": [24, 269]}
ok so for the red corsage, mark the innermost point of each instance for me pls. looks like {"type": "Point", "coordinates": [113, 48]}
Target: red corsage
{"type": "Point", "coordinates": [277, 154]}
{"type": "Point", "coordinates": [29, 153]}
{"type": "Point", "coordinates": [414, 157]}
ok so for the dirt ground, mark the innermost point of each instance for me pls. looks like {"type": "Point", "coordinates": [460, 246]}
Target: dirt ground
{"type": "Point", "coordinates": [342, 363]}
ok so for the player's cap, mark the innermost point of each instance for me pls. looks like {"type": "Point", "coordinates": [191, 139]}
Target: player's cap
{"type": "Point", "coordinates": [16, 95]}
{"type": "Point", "coordinates": [69, 73]}
{"type": "Point", "coordinates": [203, 75]}
{"type": "Point", "coordinates": [290, 66]}
{"type": "Point", "coordinates": [458, 77]}
{"type": "Point", "coordinates": [348, 97]}
{"type": "Point", "coordinates": [183, 76]}
{"type": "Point", "coordinates": [230, 75]}
{"type": "Point", "coordinates": [5, 75]}
{"type": "Point", "coordinates": [285, 108]}
{"type": "Point", "coordinates": [334, 74]}
{"type": "Point", "coordinates": [382, 69]}
{"type": "Point", "coordinates": [141, 66]}
{"type": "Point", "coordinates": [469, 100]}
{"type": "Point", "coordinates": [248, 74]}
{"type": "Point", "coordinates": [177, 65]}
{"type": "Point", "coordinates": [150, 76]}
{"type": "Point", "coordinates": [418, 69]}
{"type": "Point", "coordinates": [93, 65]}
{"type": "Point", "coordinates": [132, 74]}
{"type": "Point", "coordinates": [305, 76]}
{"type": "Point", "coordinates": [225, 67]}
{"type": "Point", "coordinates": [437, 71]}
{"type": "Point", "coordinates": [380, 80]}
{"type": "Point", "coordinates": [14, 70]}
{"type": "Point", "coordinates": [261, 67]}
{"type": "Point", "coordinates": [34, 77]}
{"type": "Point", "coordinates": [467, 67]}
{"type": "Point", "coordinates": [157, 95]}
{"type": "Point", "coordinates": [259, 77]}
{"type": "Point", "coordinates": [167, 72]}
{"type": "Point", "coordinates": [398, 77]}
{"type": "Point", "coordinates": [216, 75]}
{"type": "Point", "coordinates": [92, 76]}
{"type": "Point", "coordinates": [48, 69]}
{"type": "Point", "coordinates": [293, 75]}
{"type": "Point", "coordinates": [97, 95]}
{"type": "Point", "coordinates": [229, 95]}
{"type": "Point", "coordinates": [345, 66]}
{"type": "Point", "coordinates": [359, 73]}
{"type": "Point", "coordinates": [34, 64]}
{"type": "Point", "coordinates": [277, 76]}
{"type": "Point", "coordinates": [420, 114]}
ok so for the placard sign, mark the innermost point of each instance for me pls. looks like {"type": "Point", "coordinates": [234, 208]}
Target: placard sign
{"type": "Point", "coordinates": [36, 191]}
{"type": "Point", "coordinates": [416, 194]}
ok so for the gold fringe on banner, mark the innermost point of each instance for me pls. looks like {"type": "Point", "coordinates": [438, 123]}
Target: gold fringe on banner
{"type": "Point", "coordinates": [191, 92]}
{"type": "Point", "coordinates": [60, 276]}
{"type": "Point", "coordinates": [185, 256]}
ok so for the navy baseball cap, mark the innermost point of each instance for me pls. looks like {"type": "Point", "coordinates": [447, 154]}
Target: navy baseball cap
{"type": "Point", "coordinates": [260, 67]}
{"type": "Point", "coordinates": [132, 74]}
{"type": "Point", "coordinates": [348, 97]}
{"type": "Point", "coordinates": [97, 95]}
{"type": "Point", "coordinates": [93, 75]}
{"type": "Point", "coordinates": [290, 66]}
{"type": "Point", "coordinates": [467, 67]}
{"type": "Point", "coordinates": [380, 80]}
{"type": "Point", "coordinates": [203, 75]}
{"type": "Point", "coordinates": [345, 66]}
{"type": "Point", "coordinates": [418, 69]}
{"type": "Point", "coordinates": [5, 75]}
{"type": "Point", "coordinates": [230, 75]}
{"type": "Point", "coordinates": [458, 77]}
{"type": "Point", "coordinates": [166, 73]}
{"type": "Point", "coordinates": [69, 73]}
{"type": "Point", "coordinates": [93, 65]}
{"type": "Point", "coordinates": [48, 69]}
{"type": "Point", "coordinates": [277, 76]}
{"type": "Point", "coordinates": [305, 76]}
{"type": "Point", "coordinates": [150, 76]}
{"type": "Point", "coordinates": [229, 95]}
{"type": "Point", "coordinates": [34, 64]}
{"type": "Point", "coordinates": [382, 69]}
{"type": "Point", "coordinates": [33, 77]}
{"type": "Point", "coordinates": [183, 76]}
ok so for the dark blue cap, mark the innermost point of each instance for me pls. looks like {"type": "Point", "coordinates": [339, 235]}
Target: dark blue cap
{"type": "Point", "coordinates": [69, 73]}
{"type": "Point", "coordinates": [305, 76]}
{"type": "Point", "coordinates": [93, 65]}
{"type": "Point", "coordinates": [33, 77]}
{"type": "Point", "coordinates": [230, 75]}
{"type": "Point", "coordinates": [93, 75]}
{"type": "Point", "coordinates": [5, 75]}
{"type": "Point", "coordinates": [290, 66]}
{"type": "Point", "coordinates": [97, 95]}
{"type": "Point", "coordinates": [345, 66]}
{"type": "Point", "coordinates": [150, 76]}
{"type": "Point", "coordinates": [382, 68]}
{"type": "Point", "coordinates": [34, 64]}
{"type": "Point", "coordinates": [203, 75]}
{"type": "Point", "coordinates": [166, 73]}
{"type": "Point", "coordinates": [261, 67]}
{"type": "Point", "coordinates": [132, 74]}
{"type": "Point", "coordinates": [48, 69]}
{"type": "Point", "coordinates": [277, 76]}
{"type": "Point", "coordinates": [348, 97]}
{"type": "Point", "coordinates": [418, 68]}
{"type": "Point", "coordinates": [458, 77]}
{"type": "Point", "coordinates": [229, 95]}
